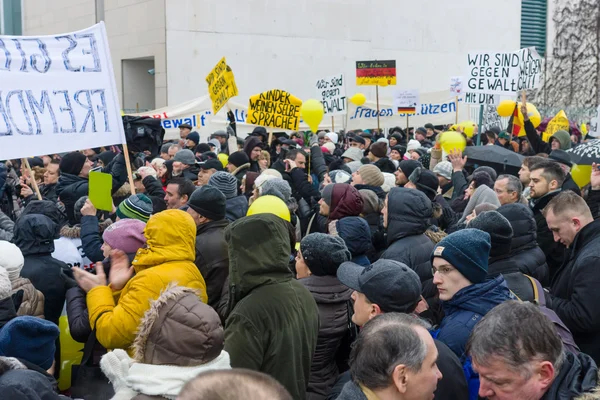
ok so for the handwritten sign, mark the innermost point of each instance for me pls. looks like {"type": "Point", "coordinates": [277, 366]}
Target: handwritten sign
{"type": "Point", "coordinates": [276, 109]}
{"type": "Point", "coordinates": [406, 101]}
{"type": "Point", "coordinates": [593, 128]}
{"type": "Point", "coordinates": [560, 122]}
{"type": "Point", "coordinates": [456, 85]}
{"type": "Point", "coordinates": [331, 92]}
{"type": "Point", "coordinates": [58, 94]}
{"type": "Point", "coordinates": [530, 69]}
{"type": "Point", "coordinates": [493, 73]}
{"type": "Point", "coordinates": [482, 98]}
{"type": "Point", "coordinates": [221, 85]}
{"type": "Point", "coordinates": [371, 73]}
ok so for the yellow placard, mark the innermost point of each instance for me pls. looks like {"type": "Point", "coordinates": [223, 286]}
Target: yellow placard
{"type": "Point", "coordinates": [221, 85]}
{"type": "Point", "coordinates": [560, 122]}
{"type": "Point", "coordinates": [275, 109]}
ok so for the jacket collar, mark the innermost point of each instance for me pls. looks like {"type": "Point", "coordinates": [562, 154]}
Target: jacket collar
{"type": "Point", "coordinates": [585, 235]}
{"type": "Point", "coordinates": [221, 224]}
{"type": "Point", "coordinates": [539, 204]}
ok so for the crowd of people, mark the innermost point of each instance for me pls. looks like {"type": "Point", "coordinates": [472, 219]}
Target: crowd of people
{"type": "Point", "coordinates": [338, 265]}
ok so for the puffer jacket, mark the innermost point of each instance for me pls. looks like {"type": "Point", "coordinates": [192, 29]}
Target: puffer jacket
{"type": "Point", "coordinates": [408, 213]}
{"type": "Point", "coordinates": [164, 362]}
{"type": "Point", "coordinates": [271, 313]}
{"type": "Point", "coordinates": [212, 258]}
{"type": "Point", "coordinates": [356, 234]}
{"type": "Point", "coordinates": [516, 281]}
{"type": "Point", "coordinates": [236, 208]}
{"type": "Point", "coordinates": [524, 250]}
{"type": "Point", "coordinates": [332, 301]}
{"type": "Point", "coordinates": [33, 300]}
{"type": "Point", "coordinates": [168, 257]}
{"type": "Point", "coordinates": [22, 380]}
{"type": "Point", "coordinates": [468, 306]}
{"type": "Point", "coordinates": [577, 379]}
{"type": "Point", "coordinates": [34, 234]}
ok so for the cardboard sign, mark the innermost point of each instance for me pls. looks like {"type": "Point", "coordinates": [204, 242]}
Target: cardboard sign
{"type": "Point", "coordinates": [406, 101]}
{"type": "Point", "coordinates": [331, 92]}
{"type": "Point", "coordinates": [481, 98]}
{"type": "Point", "coordinates": [493, 73]}
{"type": "Point", "coordinates": [371, 73]}
{"type": "Point", "coordinates": [58, 94]}
{"type": "Point", "coordinates": [456, 85]}
{"type": "Point", "coordinates": [530, 69]}
{"type": "Point", "coordinates": [221, 85]}
{"type": "Point", "coordinates": [100, 190]}
{"type": "Point", "coordinates": [593, 128]}
{"type": "Point", "coordinates": [275, 109]}
{"type": "Point", "coordinates": [560, 122]}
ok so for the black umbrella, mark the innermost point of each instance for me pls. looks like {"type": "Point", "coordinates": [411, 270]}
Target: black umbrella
{"type": "Point", "coordinates": [586, 153]}
{"type": "Point", "coordinates": [497, 157]}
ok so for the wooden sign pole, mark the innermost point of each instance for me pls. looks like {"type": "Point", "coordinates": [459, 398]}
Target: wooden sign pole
{"type": "Point", "coordinates": [377, 96]}
{"type": "Point", "coordinates": [407, 133]}
{"type": "Point", "coordinates": [128, 165]}
{"type": "Point", "coordinates": [332, 124]}
{"type": "Point", "coordinates": [32, 177]}
{"type": "Point", "coordinates": [456, 118]}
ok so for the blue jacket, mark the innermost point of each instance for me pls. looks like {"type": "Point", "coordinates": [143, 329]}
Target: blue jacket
{"type": "Point", "coordinates": [356, 234]}
{"type": "Point", "coordinates": [236, 208]}
{"type": "Point", "coordinates": [466, 308]}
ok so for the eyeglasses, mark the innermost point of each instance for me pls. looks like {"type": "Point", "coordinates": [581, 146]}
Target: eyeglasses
{"type": "Point", "coordinates": [444, 270]}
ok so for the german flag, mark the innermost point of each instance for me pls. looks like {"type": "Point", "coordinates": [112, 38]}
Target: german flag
{"type": "Point", "coordinates": [407, 110]}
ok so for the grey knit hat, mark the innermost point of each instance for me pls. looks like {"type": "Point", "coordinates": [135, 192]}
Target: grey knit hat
{"type": "Point", "coordinates": [371, 175]}
{"type": "Point", "coordinates": [499, 228]}
{"type": "Point", "coordinates": [353, 153]}
{"type": "Point", "coordinates": [276, 187]}
{"type": "Point", "coordinates": [323, 253]}
{"type": "Point", "coordinates": [443, 169]}
{"type": "Point", "coordinates": [225, 182]}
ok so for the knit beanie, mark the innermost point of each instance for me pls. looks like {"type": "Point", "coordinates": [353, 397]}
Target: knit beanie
{"type": "Point", "coordinates": [340, 176]}
{"type": "Point", "coordinates": [323, 253]}
{"type": "Point", "coordinates": [353, 153]}
{"type": "Point", "coordinates": [330, 147]}
{"type": "Point", "coordinates": [444, 169]}
{"type": "Point", "coordinates": [136, 206]}
{"type": "Point", "coordinates": [489, 170]}
{"type": "Point", "coordinates": [371, 203]}
{"type": "Point", "coordinates": [333, 137]}
{"type": "Point", "coordinates": [327, 193]}
{"type": "Point", "coordinates": [126, 235]}
{"type": "Point", "coordinates": [379, 149]}
{"type": "Point", "coordinates": [72, 163]}
{"type": "Point", "coordinates": [499, 228]}
{"type": "Point", "coordinates": [371, 175]}
{"type": "Point", "coordinates": [29, 338]}
{"type": "Point", "coordinates": [225, 182]}
{"type": "Point", "coordinates": [466, 250]}
{"type": "Point", "coordinates": [276, 187]}
{"type": "Point", "coordinates": [193, 137]}
{"type": "Point", "coordinates": [413, 144]}
{"type": "Point", "coordinates": [425, 181]}
{"type": "Point", "coordinates": [5, 285]}
{"type": "Point", "coordinates": [77, 208]}
{"type": "Point", "coordinates": [238, 158]}
{"type": "Point", "coordinates": [11, 259]}
{"type": "Point", "coordinates": [408, 166]}
{"type": "Point", "coordinates": [209, 202]}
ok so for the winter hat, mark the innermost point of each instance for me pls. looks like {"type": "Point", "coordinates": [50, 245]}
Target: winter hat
{"type": "Point", "coordinates": [340, 176]}
{"type": "Point", "coordinates": [202, 148]}
{"type": "Point", "coordinates": [468, 251]}
{"type": "Point", "coordinates": [333, 137]}
{"type": "Point", "coordinates": [379, 149]}
{"type": "Point", "coordinates": [323, 253]}
{"type": "Point", "coordinates": [216, 144]}
{"type": "Point", "coordinates": [330, 147]}
{"type": "Point", "coordinates": [209, 202]}
{"type": "Point", "coordinates": [193, 137]}
{"type": "Point", "coordinates": [72, 163]}
{"type": "Point", "coordinates": [262, 178]}
{"type": "Point", "coordinates": [413, 144]}
{"type": "Point", "coordinates": [106, 157]}
{"type": "Point", "coordinates": [77, 208]}
{"type": "Point", "coordinates": [11, 259]}
{"type": "Point", "coordinates": [561, 157]}
{"type": "Point", "coordinates": [136, 206]}
{"type": "Point", "coordinates": [371, 175]}
{"type": "Point", "coordinates": [30, 338]}
{"type": "Point", "coordinates": [357, 139]}
{"type": "Point", "coordinates": [563, 138]}
{"type": "Point", "coordinates": [6, 286]}
{"type": "Point", "coordinates": [489, 170]}
{"type": "Point", "coordinates": [327, 193]}
{"type": "Point", "coordinates": [408, 166]}
{"type": "Point", "coordinates": [353, 153]}
{"type": "Point", "coordinates": [148, 170]}
{"type": "Point", "coordinates": [371, 202]}
{"type": "Point", "coordinates": [421, 130]}
{"type": "Point", "coordinates": [225, 182]}
{"type": "Point", "coordinates": [321, 135]}
{"type": "Point", "coordinates": [185, 156]}
{"type": "Point", "coordinates": [238, 158]}
{"type": "Point", "coordinates": [389, 181]}
{"type": "Point", "coordinates": [444, 169]}
{"type": "Point", "coordinates": [498, 227]}
{"type": "Point", "coordinates": [126, 235]}
{"type": "Point", "coordinates": [276, 187]}
{"type": "Point", "coordinates": [425, 181]}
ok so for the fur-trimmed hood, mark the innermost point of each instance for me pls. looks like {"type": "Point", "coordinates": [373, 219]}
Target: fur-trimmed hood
{"type": "Point", "coordinates": [240, 168]}
{"type": "Point", "coordinates": [123, 191]}
{"type": "Point", "coordinates": [74, 232]}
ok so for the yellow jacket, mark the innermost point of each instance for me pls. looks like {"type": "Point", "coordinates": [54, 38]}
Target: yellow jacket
{"type": "Point", "coordinates": [168, 257]}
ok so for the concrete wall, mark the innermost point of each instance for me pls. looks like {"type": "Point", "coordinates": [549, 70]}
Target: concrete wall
{"type": "Point", "coordinates": [289, 44]}
{"type": "Point", "coordinates": [43, 17]}
{"type": "Point", "coordinates": [138, 85]}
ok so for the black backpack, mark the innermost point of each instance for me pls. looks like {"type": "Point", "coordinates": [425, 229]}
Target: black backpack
{"type": "Point", "coordinates": [143, 133]}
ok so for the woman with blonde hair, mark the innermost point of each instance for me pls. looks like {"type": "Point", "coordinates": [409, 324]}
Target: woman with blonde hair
{"type": "Point", "coordinates": [264, 160]}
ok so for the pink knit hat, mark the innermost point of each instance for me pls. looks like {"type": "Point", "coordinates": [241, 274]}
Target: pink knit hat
{"type": "Point", "coordinates": [126, 235]}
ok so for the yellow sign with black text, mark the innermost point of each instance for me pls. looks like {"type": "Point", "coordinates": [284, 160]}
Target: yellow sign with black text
{"type": "Point", "coordinates": [221, 85]}
{"type": "Point", "coordinates": [275, 109]}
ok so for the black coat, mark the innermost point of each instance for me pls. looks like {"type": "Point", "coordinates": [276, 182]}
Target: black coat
{"type": "Point", "coordinates": [516, 281]}
{"type": "Point", "coordinates": [34, 235]}
{"type": "Point", "coordinates": [332, 301]}
{"type": "Point", "coordinates": [575, 290]}
{"type": "Point", "coordinates": [212, 258]}
{"type": "Point", "coordinates": [569, 184]}
{"type": "Point", "coordinates": [577, 375]}
{"type": "Point", "coordinates": [298, 181]}
{"type": "Point", "coordinates": [554, 251]}
{"type": "Point", "coordinates": [156, 193]}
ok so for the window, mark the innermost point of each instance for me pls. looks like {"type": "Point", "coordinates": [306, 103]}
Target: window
{"type": "Point", "coordinates": [533, 24]}
{"type": "Point", "coordinates": [11, 21]}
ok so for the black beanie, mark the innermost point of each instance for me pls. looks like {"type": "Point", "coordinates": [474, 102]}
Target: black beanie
{"type": "Point", "coordinates": [238, 158]}
{"type": "Point", "coordinates": [425, 181]}
{"type": "Point", "coordinates": [408, 166]}
{"type": "Point", "coordinates": [209, 202]}
{"type": "Point", "coordinates": [323, 253]}
{"type": "Point", "coordinates": [498, 227]}
{"type": "Point", "coordinates": [72, 163]}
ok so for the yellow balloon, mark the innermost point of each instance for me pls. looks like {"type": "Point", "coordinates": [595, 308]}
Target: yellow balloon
{"type": "Point", "coordinates": [270, 205]}
{"type": "Point", "coordinates": [450, 140]}
{"type": "Point", "coordinates": [312, 113]}
{"type": "Point", "coordinates": [506, 108]}
{"type": "Point", "coordinates": [532, 113]}
{"type": "Point", "coordinates": [468, 128]}
{"type": "Point", "coordinates": [70, 353]}
{"type": "Point", "coordinates": [358, 99]}
{"type": "Point", "coordinates": [224, 158]}
{"type": "Point", "coordinates": [454, 127]}
{"type": "Point", "coordinates": [581, 174]}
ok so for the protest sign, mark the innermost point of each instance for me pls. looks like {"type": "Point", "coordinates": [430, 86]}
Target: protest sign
{"type": "Point", "coordinates": [58, 94]}
{"type": "Point", "coordinates": [371, 73]}
{"type": "Point", "coordinates": [560, 122]}
{"type": "Point", "coordinates": [456, 85]}
{"type": "Point", "coordinates": [406, 101]}
{"type": "Point", "coordinates": [331, 92]}
{"type": "Point", "coordinates": [100, 190]}
{"type": "Point", "coordinates": [490, 118]}
{"type": "Point", "coordinates": [482, 98]}
{"type": "Point", "coordinates": [276, 109]}
{"type": "Point", "coordinates": [493, 73]}
{"type": "Point", "coordinates": [594, 128]}
{"type": "Point", "coordinates": [530, 69]}
{"type": "Point", "coordinates": [221, 85]}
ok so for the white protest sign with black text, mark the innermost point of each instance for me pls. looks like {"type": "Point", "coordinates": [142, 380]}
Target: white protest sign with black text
{"type": "Point", "coordinates": [481, 98]}
{"type": "Point", "coordinates": [58, 94]}
{"type": "Point", "coordinates": [530, 69]}
{"type": "Point", "coordinates": [406, 101]}
{"type": "Point", "coordinates": [331, 92]}
{"type": "Point", "coordinates": [456, 85]}
{"type": "Point", "coordinates": [492, 73]}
